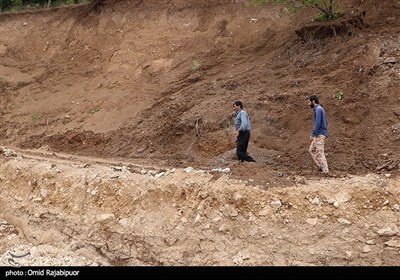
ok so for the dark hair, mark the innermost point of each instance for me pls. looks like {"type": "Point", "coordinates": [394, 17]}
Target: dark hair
{"type": "Point", "coordinates": [314, 98]}
{"type": "Point", "coordinates": [238, 103]}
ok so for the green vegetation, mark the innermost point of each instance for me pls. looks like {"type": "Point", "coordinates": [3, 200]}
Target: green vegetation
{"type": "Point", "coordinates": [94, 110]}
{"type": "Point", "coordinates": [36, 117]}
{"type": "Point", "coordinates": [339, 95]}
{"type": "Point", "coordinates": [326, 7]}
{"type": "Point", "coordinates": [21, 83]}
{"type": "Point", "coordinates": [16, 5]}
{"type": "Point", "coordinates": [197, 66]}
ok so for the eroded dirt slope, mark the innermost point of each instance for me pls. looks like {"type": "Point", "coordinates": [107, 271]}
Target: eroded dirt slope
{"type": "Point", "coordinates": [156, 79]}
{"type": "Point", "coordinates": [104, 113]}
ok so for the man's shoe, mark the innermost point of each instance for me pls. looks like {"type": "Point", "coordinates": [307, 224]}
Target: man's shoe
{"type": "Point", "coordinates": [251, 160]}
{"type": "Point", "coordinates": [329, 175]}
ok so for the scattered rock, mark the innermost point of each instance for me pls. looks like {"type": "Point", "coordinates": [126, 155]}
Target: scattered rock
{"type": "Point", "coordinates": [389, 231]}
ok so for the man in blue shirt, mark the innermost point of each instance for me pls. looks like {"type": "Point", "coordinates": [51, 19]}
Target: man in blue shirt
{"type": "Point", "coordinates": [242, 132]}
{"type": "Point", "coordinates": [318, 134]}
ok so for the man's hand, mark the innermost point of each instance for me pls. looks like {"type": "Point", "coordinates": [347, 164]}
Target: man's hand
{"type": "Point", "coordinates": [236, 135]}
{"type": "Point", "coordinates": [311, 138]}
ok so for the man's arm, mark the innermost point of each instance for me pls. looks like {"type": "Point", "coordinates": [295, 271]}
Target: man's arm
{"type": "Point", "coordinates": [317, 121]}
{"type": "Point", "coordinates": [243, 120]}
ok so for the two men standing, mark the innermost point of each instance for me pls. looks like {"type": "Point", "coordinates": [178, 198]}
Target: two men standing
{"type": "Point", "coordinates": [318, 134]}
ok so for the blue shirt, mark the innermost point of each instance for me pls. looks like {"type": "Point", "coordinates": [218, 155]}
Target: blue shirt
{"type": "Point", "coordinates": [242, 121]}
{"type": "Point", "coordinates": [320, 122]}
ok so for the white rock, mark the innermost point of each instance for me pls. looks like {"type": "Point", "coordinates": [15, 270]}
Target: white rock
{"type": "Point", "coordinates": [386, 202]}
{"type": "Point", "coordinates": [105, 217]}
{"type": "Point", "coordinates": [315, 201]}
{"type": "Point", "coordinates": [393, 243]}
{"type": "Point", "coordinates": [336, 204]}
{"type": "Point", "coordinates": [237, 197]}
{"type": "Point", "coordinates": [188, 169]}
{"type": "Point", "coordinates": [266, 211]}
{"type": "Point", "coordinates": [124, 222]}
{"type": "Point", "coordinates": [43, 192]}
{"type": "Point", "coordinates": [223, 228]}
{"type": "Point", "coordinates": [331, 201]}
{"type": "Point", "coordinates": [312, 221]}
{"type": "Point", "coordinates": [217, 219]}
{"type": "Point", "coordinates": [343, 197]}
{"type": "Point", "coordinates": [344, 221]}
{"type": "Point", "coordinates": [276, 203]}
{"type": "Point", "coordinates": [389, 231]}
{"type": "Point", "coordinates": [159, 174]}
{"type": "Point", "coordinates": [366, 249]}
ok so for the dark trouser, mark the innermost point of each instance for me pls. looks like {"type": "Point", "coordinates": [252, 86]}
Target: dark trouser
{"type": "Point", "coordinates": [241, 146]}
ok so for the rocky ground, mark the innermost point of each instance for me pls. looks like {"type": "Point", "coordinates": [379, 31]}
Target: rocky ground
{"type": "Point", "coordinates": [62, 211]}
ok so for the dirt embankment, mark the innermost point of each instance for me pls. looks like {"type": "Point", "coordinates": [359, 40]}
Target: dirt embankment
{"type": "Point", "coordinates": [116, 135]}
{"type": "Point", "coordinates": [138, 80]}
{"type": "Point", "coordinates": [79, 212]}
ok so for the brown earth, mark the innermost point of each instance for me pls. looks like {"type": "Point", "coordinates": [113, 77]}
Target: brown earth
{"type": "Point", "coordinates": [100, 101]}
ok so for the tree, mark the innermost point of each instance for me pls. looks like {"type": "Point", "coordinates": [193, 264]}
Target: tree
{"type": "Point", "coordinates": [324, 6]}
{"type": "Point", "coordinates": [5, 5]}
{"type": "Point", "coordinates": [14, 5]}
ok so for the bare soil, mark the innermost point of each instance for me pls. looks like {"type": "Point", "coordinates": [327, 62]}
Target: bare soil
{"type": "Point", "coordinates": [117, 141]}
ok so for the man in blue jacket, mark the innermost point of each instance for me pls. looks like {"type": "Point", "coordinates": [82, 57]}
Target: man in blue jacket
{"type": "Point", "coordinates": [318, 135]}
{"type": "Point", "coordinates": [242, 132]}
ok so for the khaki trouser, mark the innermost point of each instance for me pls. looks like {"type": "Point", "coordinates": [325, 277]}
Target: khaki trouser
{"type": "Point", "coordinates": [316, 151]}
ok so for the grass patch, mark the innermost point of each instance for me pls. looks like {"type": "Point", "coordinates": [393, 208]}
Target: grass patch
{"type": "Point", "coordinates": [94, 110]}
{"type": "Point", "coordinates": [36, 117]}
{"type": "Point", "coordinates": [197, 66]}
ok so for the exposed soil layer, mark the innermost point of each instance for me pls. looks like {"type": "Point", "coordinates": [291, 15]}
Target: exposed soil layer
{"type": "Point", "coordinates": [101, 100]}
